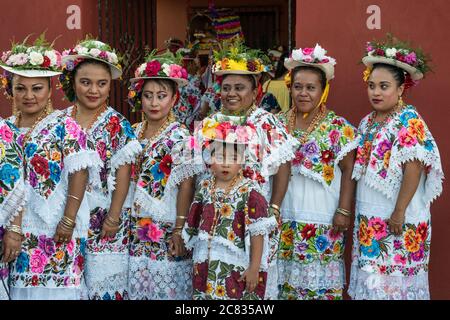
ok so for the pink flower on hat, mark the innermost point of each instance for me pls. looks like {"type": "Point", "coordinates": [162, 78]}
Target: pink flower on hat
{"type": "Point", "coordinates": [308, 51]}
{"type": "Point", "coordinates": [176, 71]}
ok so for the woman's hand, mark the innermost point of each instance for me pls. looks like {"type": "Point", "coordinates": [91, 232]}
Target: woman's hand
{"type": "Point", "coordinates": [63, 234]}
{"type": "Point", "coordinates": [341, 223]}
{"type": "Point", "coordinates": [12, 245]}
{"type": "Point", "coordinates": [110, 227]}
{"type": "Point", "coordinates": [176, 245]}
{"type": "Point", "coordinates": [396, 222]}
{"type": "Point", "coordinates": [251, 277]}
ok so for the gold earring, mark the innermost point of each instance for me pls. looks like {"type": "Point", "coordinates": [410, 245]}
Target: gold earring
{"type": "Point", "coordinates": [400, 101]}
{"type": "Point", "coordinates": [49, 107]}
{"type": "Point", "coordinates": [15, 111]}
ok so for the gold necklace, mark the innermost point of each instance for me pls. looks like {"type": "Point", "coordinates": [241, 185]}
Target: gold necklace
{"type": "Point", "coordinates": [239, 113]}
{"type": "Point", "coordinates": [164, 126]}
{"type": "Point", "coordinates": [99, 111]}
{"type": "Point", "coordinates": [312, 126]}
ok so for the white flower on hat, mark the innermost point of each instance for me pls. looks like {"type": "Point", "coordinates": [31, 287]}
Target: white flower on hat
{"type": "Point", "coordinates": [52, 56]}
{"type": "Point", "coordinates": [140, 70]}
{"type": "Point", "coordinates": [82, 50]}
{"type": "Point", "coordinates": [319, 52]}
{"type": "Point", "coordinates": [332, 60]}
{"type": "Point", "coordinates": [297, 54]}
{"type": "Point", "coordinates": [36, 58]}
{"type": "Point", "coordinates": [94, 52]}
{"type": "Point", "coordinates": [391, 52]}
{"type": "Point", "coordinates": [166, 69]}
{"type": "Point", "coordinates": [112, 58]}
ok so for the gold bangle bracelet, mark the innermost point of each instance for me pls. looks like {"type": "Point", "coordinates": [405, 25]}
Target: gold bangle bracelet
{"type": "Point", "coordinates": [73, 197]}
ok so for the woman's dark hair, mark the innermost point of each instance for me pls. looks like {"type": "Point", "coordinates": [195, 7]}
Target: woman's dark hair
{"type": "Point", "coordinates": [396, 72]}
{"type": "Point", "coordinates": [165, 83]}
{"type": "Point", "coordinates": [319, 72]}
{"type": "Point", "coordinates": [250, 78]}
{"type": "Point", "coordinates": [281, 69]}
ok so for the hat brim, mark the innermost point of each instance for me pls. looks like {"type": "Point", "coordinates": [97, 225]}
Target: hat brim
{"type": "Point", "coordinates": [327, 68]}
{"type": "Point", "coordinates": [180, 82]}
{"type": "Point", "coordinates": [237, 72]}
{"type": "Point", "coordinates": [32, 73]}
{"type": "Point", "coordinates": [415, 74]}
{"type": "Point", "coordinates": [116, 73]}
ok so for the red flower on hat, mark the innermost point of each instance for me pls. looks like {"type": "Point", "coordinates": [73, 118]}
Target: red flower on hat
{"type": "Point", "coordinates": [152, 68]}
{"type": "Point", "coordinates": [46, 62]}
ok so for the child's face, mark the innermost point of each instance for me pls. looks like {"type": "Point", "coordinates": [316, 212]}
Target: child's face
{"type": "Point", "coordinates": [226, 164]}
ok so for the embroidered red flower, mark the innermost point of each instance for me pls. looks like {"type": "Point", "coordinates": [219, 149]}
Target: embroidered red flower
{"type": "Point", "coordinates": [261, 287]}
{"type": "Point", "coordinates": [34, 280]}
{"type": "Point", "coordinates": [235, 288]}
{"type": "Point", "coordinates": [40, 165]}
{"type": "Point", "coordinates": [239, 224]}
{"type": "Point", "coordinates": [422, 231]}
{"type": "Point", "coordinates": [195, 213]}
{"type": "Point", "coordinates": [166, 164]}
{"type": "Point", "coordinates": [207, 218]}
{"type": "Point", "coordinates": [309, 231]}
{"type": "Point", "coordinates": [113, 126]}
{"type": "Point", "coordinates": [257, 205]}
{"type": "Point", "coordinates": [200, 276]}
{"type": "Point", "coordinates": [327, 156]}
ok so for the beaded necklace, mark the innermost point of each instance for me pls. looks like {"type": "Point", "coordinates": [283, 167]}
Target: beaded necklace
{"type": "Point", "coordinates": [372, 128]}
{"type": "Point", "coordinates": [312, 126]}
{"type": "Point", "coordinates": [170, 119]}
{"type": "Point", "coordinates": [99, 111]}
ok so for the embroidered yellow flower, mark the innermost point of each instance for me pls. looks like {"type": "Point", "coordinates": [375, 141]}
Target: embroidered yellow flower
{"type": "Point", "coordinates": [56, 156]}
{"type": "Point", "coordinates": [328, 173]}
{"type": "Point", "coordinates": [59, 255]}
{"type": "Point", "coordinates": [287, 254]}
{"type": "Point", "coordinates": [323, 127]}
{"type": "Point", "coordinates": [220, 291]}
{"type": "Point", "coordinates": [231, 236]}
{"type": "Point", "coordinates": [412, 241]}
{"type": "Point", "coordinates": [209, 128]}
{"type": "Point", "coordinates": [209, 288]}
{"type": "Point", "coordinates": [349, 133]}
{"type": "Point", "coordinates": [365, 234]}
{"type": "Point", "coordinates": [287, 237]}
{"type": "Point", "coordinates": [386, 158]}
{"type": "Point", "coordinates": [243, 189]}
{"type": "Point", "coordinates": [336, 248]}
{"type": "Point", "coordinates": [226, 211]}
{"type": "Point", "coordinates": [416, 128]}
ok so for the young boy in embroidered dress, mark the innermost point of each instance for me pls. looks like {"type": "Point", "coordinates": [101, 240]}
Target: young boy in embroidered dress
{"type": "Point", "coordinates": [228, 225]}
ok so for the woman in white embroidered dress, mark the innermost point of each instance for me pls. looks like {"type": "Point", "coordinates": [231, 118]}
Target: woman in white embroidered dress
{"type": "Point", "coordinates": [316, 209]}
{"type": "Point", "coordinates": [56, 157]}
{"type": "Point", "coordinates": [268, 163]}
{"type": "Point", "coordinates": [12, 200]}
{"type": "Point", "coordinates": [399, 174]}
{"type": "Point", "coordinates": [89, 69]}
{"type": "Point", "coordinates": [160, 268]}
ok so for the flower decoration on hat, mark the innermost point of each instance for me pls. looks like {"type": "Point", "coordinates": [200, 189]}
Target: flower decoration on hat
{"type": "Point", "coordinates": [235, 58]}
{"type": "Point", "coordinates": [227, 132]}
{"type": "Point", "coordinates": [36, 60]}
{"type": "Point", "coordinates": [87, 49]}
{"type": "Point", "coordinates": [164, 66]}
{"type": "Point", "coordinates": [400, 54]}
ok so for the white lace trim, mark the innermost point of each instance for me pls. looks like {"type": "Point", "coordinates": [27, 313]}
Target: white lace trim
{"type": "Point", "coordinates": [127, 155]}
{"type": "Point", "coordinates": [50, 209]}
{"type": "Point", "coordinates": [163, 210]}
{"type": "Point", "coordinates": [391, 185]}
{"type": "Point", "coordinates": [13, 204]}
{"type": "Point", "coordinates": [159, 280]}
{"type": "Point", "coordinates": [313, 276]}
{"type": "Point", "coordinates": [263, 226]}
{"type": "Point", "coordinates": [184, 171]}
{"type": "Point", "coordinates": [369, 286]}
{"type": "Point", "coordinates": [85, 160]}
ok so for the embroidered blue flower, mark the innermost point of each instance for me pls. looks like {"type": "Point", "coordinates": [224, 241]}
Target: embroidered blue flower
{"type": "Point", "coordinates": [429, 145]}
{"type": "Point", "coordinates": [55, 171]}
{"type": "Point", "coordinates": [406, 116]}
{"type": "Point", "coordinates": [156, 172]}
{"type": "Point", "coordinates": [30, 149]}
{"type": "Point", "coordinates": [83, 246]}
{"type": "Point", "coordinates": [22, 262]}
{"type": "Point", "coordinates": [106, 296]}
{"type": "Point", "coordinates": [371, 251]}
{"type": "Point", "coordinates": [9, 174]}
{"type": "Point", "coordinates": [128, 130]}
{"type": "Point", "coordinates": [60, 132]}
{"type": "Point", "coordinates": [322, 243]}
